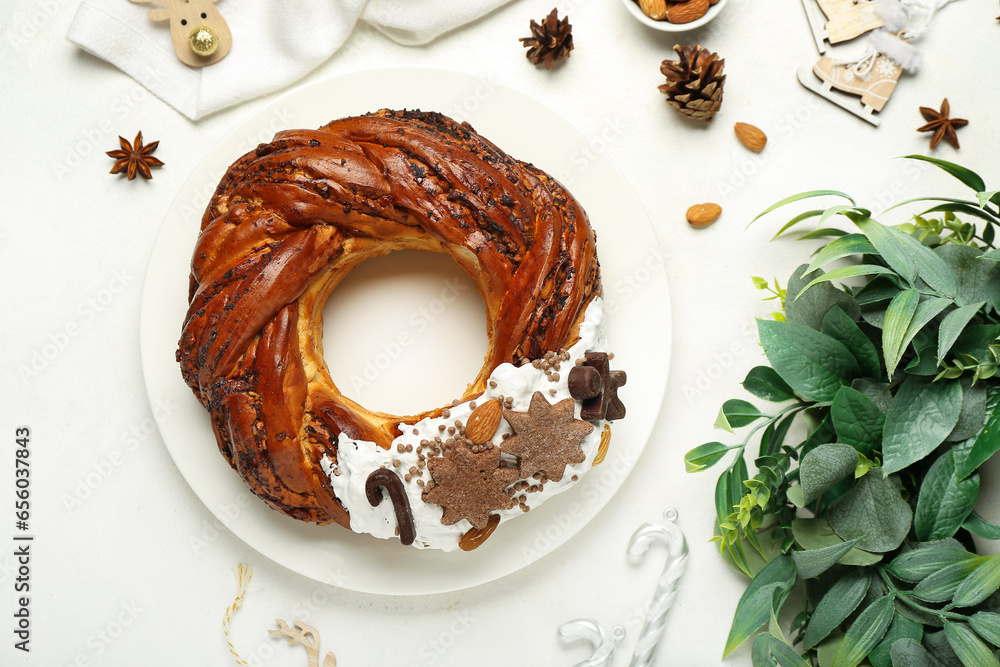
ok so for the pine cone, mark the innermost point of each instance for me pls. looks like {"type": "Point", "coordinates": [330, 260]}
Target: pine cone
{"type": "Point", "coordinates": [550, 42]}
{"type": "Point", "coordinates": [694, 81]}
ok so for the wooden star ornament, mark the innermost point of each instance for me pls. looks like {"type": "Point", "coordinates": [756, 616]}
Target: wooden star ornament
{"type": "Point", "coordinates": [469, 485]}
{"type": "Point", "coordinates": [941, 125]}
{"type": "Point", "coordinates": [546, 438]}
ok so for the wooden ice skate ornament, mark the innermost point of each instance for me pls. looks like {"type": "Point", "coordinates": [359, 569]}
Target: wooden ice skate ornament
{"type": "Point", "coordinates": [199, 33]}
{"type": "Point", "coordinates": [873, 76]}
{"type": "Point", "coordinates": [845, 20]}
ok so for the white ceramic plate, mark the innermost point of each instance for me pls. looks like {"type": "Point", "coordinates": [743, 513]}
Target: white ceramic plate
{"type": "Point", "coordinates": [635, 287]}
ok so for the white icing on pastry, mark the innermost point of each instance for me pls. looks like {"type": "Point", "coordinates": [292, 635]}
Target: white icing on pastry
{"type": "Point", "coordinates": [358, 459]}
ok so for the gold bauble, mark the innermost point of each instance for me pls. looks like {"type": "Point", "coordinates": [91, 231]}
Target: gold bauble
{"type": "Point", "coordinates": [203, 41]}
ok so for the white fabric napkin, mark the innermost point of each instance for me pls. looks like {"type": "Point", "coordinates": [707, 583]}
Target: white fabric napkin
{"type": "Point", "coordinates": [274, 43]}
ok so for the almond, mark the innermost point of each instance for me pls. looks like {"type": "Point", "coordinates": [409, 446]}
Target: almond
{"type": "Point", "coordinates": [476, 536]}
{"type": "Point", "coordinates": [702, 215]}
{"type": "Point", "coordinates": [602, 449]}
{"type": "Point", "coordinates": [686, 12]}
{"type": "Point", "coordinates": [654, 9]}
{"type": "Point", "coordinates": [483, 422]}
{"type": "Point", "coordinates": [750, 136]}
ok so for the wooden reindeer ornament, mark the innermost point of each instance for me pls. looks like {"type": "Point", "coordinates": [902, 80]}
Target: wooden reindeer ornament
{"type": "Point", "coordinates": [199, 33]}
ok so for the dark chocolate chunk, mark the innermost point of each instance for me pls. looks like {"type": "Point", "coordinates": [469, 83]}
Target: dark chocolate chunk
{"type": "Point", "coordinates": [605, 405]}
{"type": "Point", "coordinates": [615, 408]}
{"type": "Point", "coordinates": [584, 382]}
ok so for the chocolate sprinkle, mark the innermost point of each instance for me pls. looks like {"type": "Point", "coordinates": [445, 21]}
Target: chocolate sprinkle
{"type": "Point", "coordinates": [383, 477]}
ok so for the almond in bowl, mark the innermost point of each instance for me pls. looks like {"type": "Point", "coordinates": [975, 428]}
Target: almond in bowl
{"type": "Point", "coordinates": [672, 15]}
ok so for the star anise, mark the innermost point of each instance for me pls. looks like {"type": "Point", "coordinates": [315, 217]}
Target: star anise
{"type": "Point", "coordinates": [941, 125]}
{"type": "Point", "coordinates": [550, 42]}
{"type": "Point", "coordinates": [134, 157]}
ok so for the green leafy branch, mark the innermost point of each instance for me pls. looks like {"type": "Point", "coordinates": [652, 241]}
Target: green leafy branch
{"type": "Point", "coordinates": [887, 362]}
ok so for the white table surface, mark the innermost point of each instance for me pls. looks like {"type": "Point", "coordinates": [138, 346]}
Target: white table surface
{"type": "Point", "coordinates": [130, 568]}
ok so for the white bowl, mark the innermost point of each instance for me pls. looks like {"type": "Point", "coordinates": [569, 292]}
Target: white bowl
{"type": "Point", "coordinates": [667, 26]}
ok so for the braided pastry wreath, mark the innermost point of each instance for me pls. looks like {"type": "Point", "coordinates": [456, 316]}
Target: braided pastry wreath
{"type": "Point", "coordinates": [290, 220]}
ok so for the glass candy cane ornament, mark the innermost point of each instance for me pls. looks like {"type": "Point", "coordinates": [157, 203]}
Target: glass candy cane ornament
{"type": "Point", "coordinates": [601, 640]}
{"type": "Point", "coordinates": [666, 588]}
